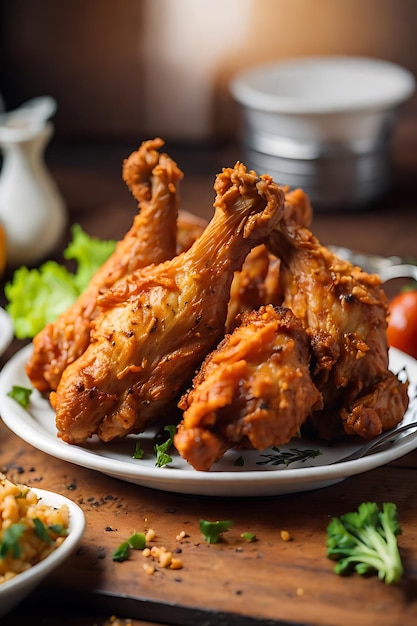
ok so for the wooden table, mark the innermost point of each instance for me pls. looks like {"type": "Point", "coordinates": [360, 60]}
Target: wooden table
{"type": "Point", "coordinates": [269, 581]}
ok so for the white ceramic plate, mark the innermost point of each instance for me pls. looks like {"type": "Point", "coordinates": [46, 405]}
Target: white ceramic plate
{"type": "Point", "coordinates": [6, 330]}
{"type": "Point", "coordinates": [13, 591]}
{"type": "Point", "coordinates": [36, 425]}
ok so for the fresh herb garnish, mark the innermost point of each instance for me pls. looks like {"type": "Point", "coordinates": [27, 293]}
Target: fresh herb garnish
{"type": "Point", "coordinates": [248, 537]}
{"type": "Point", "coordinates": [239, 462]}
{"type": "Point", "coordinates": [286, 458]}
{"type": "Point", "coordinates": [139, 451]}
{"type": "Point", "coordinates": [58, 530]}
{"type": "Point", "coordinates": [212, 530]}
{"type": "Point", "coordinates": [137, 541]}
{"type": "Point", "coordinates": [366, 541]}
{"type": "Point", "coordinates": [41, 530]}
{"type": "Point", "coordinates": [10, 541]}
{"type": "Point", "coordinates": [161, 450]}
{"type": "Point", "coordinates": [21, 395]}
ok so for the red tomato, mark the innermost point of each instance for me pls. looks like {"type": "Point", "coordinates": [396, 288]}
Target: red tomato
{"type": "Point", "coordinates": [402, 322]}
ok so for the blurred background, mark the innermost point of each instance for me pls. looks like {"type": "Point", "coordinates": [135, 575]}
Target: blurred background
{"type": "Point", "coordinates": [133, 69]}
{"type": "Point", "coordinates": [130, 70]}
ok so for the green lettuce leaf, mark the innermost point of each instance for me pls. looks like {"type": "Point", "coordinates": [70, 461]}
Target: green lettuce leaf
{"type": "Point", "coordinates": [38, 296]}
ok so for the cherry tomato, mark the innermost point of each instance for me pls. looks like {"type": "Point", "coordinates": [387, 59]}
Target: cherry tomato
{"type": "Point", "coordinates": [402, 322]}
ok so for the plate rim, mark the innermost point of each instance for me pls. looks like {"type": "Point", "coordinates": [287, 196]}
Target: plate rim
{"type": "Point", "coordinates": [6, 330]}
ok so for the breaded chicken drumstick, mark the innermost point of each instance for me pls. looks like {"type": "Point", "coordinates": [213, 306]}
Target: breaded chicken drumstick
{"type": "Point", "coordinates": [255, 389]}
{"type": "Point", "coordinates": [153, 179]}
{"type": "Point", "coordinates": [156, 327]}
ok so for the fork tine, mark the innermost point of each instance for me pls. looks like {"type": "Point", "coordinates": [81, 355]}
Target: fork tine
{"type": "Point", "coordinates": [375, 443]}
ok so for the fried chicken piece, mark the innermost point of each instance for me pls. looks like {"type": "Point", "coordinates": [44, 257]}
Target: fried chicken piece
{"type": "Point", "coordinates": [257, 283]}
{"type": "Point", "coordinates": [255, 387]}
{"type": "Point", "coordinates": [344, 311]}
{"type": "Point", "coordinates": [156, 327]}
{"type": "Point", "coordinates": [153, 179]}
{"type": "Point", "coordinates": [189, 229]}
{"type": "Point", "coordinates": [298, 209]}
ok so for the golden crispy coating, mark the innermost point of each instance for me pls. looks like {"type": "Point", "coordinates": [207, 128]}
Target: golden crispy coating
{"type": "Point", "coordinates": [157, 325]}
{"type": "Point", "coordinates": [344, 311]}
{"type": "Point", "coordinates": [153, 179]}
{"type": "Point", "coordinates": [257, 283]}
{"type": "Point", "coordinates": [255, 387]}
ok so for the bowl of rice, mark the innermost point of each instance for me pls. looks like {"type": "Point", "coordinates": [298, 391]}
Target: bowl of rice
{"type": "Point", "coordinates": [38, 530]}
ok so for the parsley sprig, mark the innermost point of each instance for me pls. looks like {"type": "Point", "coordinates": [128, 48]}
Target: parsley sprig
{"type": "Point", "coordinates": [137, 541]}
{"type": "Point", "coordinates": [161, 450]}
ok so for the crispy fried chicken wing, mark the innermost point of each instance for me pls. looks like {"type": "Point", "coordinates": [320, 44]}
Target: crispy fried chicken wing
{"type": "Point", "coordinates": [254, 387]}
{"type": "Point", "coordinates": [157, 325]}
{"type": "Point", "coordinates": [344, 311]}
{"type": "Point", "coordinates": [153, 179]}
{"type": "Point", "coordinates": [257, 283]}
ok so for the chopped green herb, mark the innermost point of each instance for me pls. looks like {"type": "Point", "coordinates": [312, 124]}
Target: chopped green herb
{"type": "Point", "coordinates": [248, 537]}
{"type": "Point", "coordinates": [137, 541]}
{"type": "Point", "coordinates": [366, 541]}
{"type": "Point", "coordinates": [213, 530]}
{"type": "Point", "coordinates": [10, 541]}
{"type": "Point", "coordinates": [21, 395]}
{"type": "Point", "coordinates": [58, 530]}
{"type": "Point", "coordinates": [286, 458]}
{"type": "Point", "coordinates": [139, 451]}
{"type": "Point", "coordinates": [161, 450]}
{"type": "Point", "coordinates": [41, 530]}
{"type": "Point", "coordinates": [122, 552]}
{"type": "Point", "coordinates": [239, 462]}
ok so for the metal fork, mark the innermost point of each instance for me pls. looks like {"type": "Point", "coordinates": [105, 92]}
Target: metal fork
{"type": "Point", "coordinates": [388, 436]}
{"type": "Point", "coordinates": [387, 267]}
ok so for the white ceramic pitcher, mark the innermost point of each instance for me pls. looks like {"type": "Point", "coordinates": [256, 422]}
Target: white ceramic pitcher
{"type": "Point", "coordinates": [32, 210]}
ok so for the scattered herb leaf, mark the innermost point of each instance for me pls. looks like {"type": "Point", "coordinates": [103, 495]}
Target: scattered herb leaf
{"type": "Point", "coordinates": [122, 552]}
{"type": "Point", "coordinates": [137, 541]}
{"type": "Point", "coordinates": [41, 530]}
{"type": "Point", "coordinates": [239, 462]}
{"type": "Point", "coordinates": [58, 530]}
{"type": "Point", "coordinates": [366, 541]}
{"type": "Point", "coordinates": [10, 541]}
{"type": "Point", "coordinates": [248, 537]}
{"type": "Point", "coordinates": [286, 458]}
{"type": "Point", "coordinates": [161, 450]}
{"type": "Point", "coordinates": [212, 530]}
{"type": "Point", "coordinates": [21, 395]}
{"type": "Point", "coordinates": [139, 451]}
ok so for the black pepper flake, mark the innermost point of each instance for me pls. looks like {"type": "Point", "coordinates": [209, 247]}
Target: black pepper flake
{"type": "Point", "coordinates": [72, 486]}
{"type": "Point", "coordinates": [110, 497]}
{"type": "Point", "coordinates": [110, 529]}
